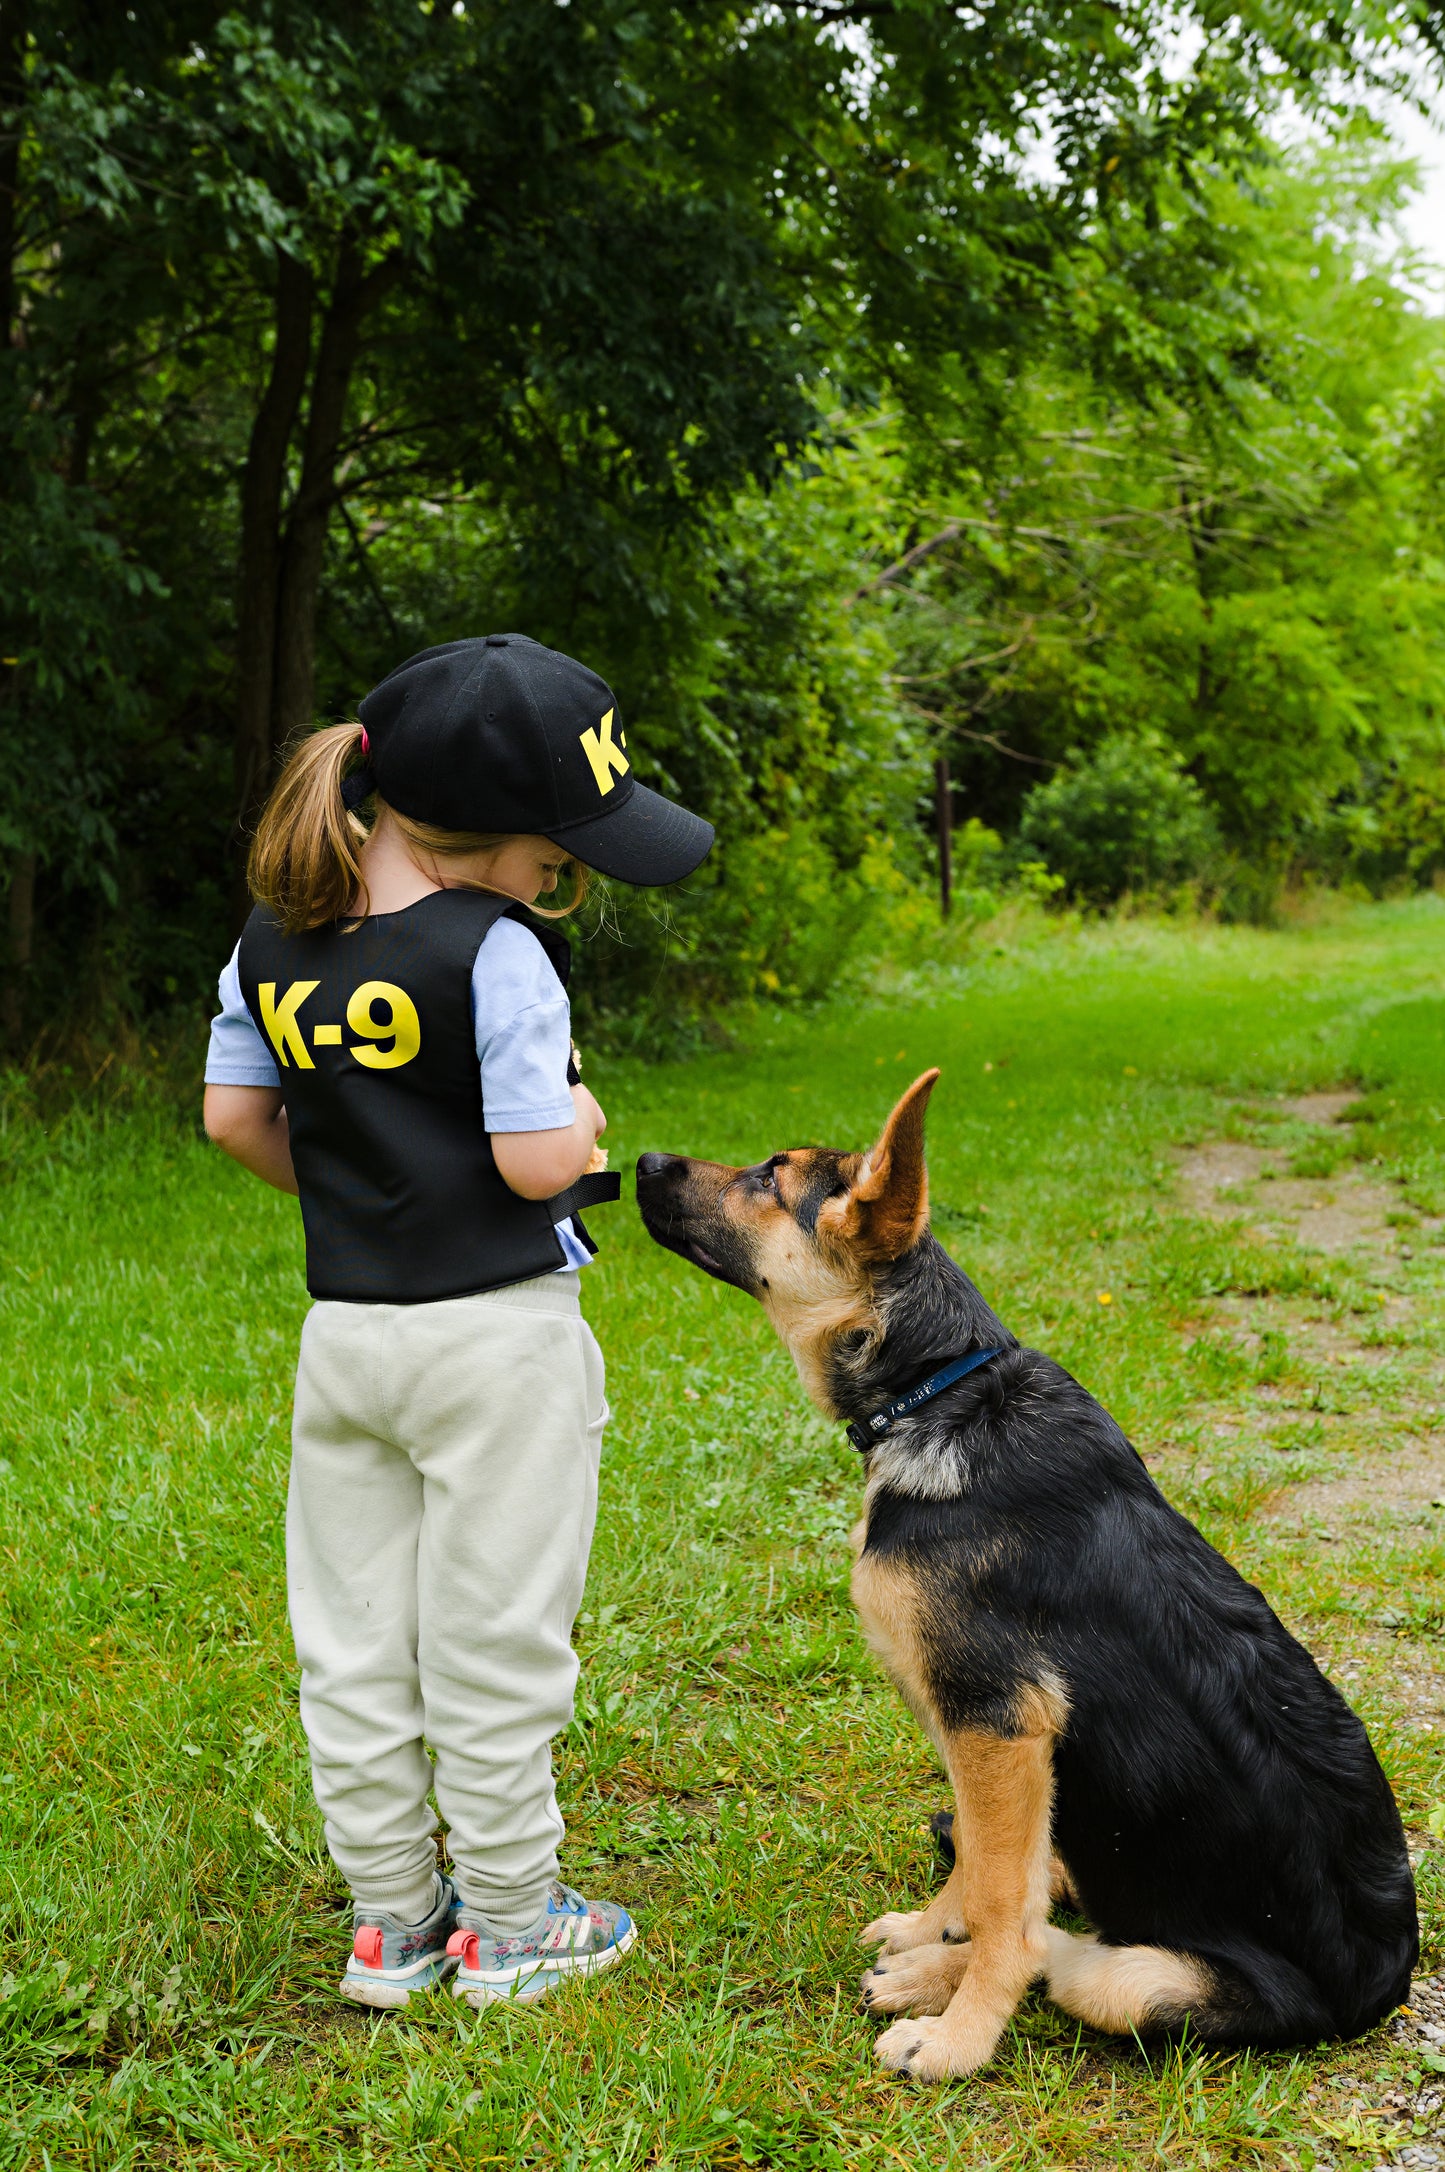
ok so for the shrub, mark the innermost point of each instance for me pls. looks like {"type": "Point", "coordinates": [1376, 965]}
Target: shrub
{"type": "Point", "coordinates": [775, 918]}
{"type": "Point", "coordinates": [1124, 817]}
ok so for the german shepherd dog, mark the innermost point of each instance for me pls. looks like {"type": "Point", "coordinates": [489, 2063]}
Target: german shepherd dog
{"type": "Point", "coordinates": [1128, 1729]}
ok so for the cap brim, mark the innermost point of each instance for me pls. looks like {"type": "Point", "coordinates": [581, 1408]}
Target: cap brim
{"type": "Point", "coordinates": [647, 840]}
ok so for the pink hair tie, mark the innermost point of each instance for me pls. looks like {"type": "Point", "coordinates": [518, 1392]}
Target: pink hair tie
{"type": "Point", "coordinates": [360, 784]}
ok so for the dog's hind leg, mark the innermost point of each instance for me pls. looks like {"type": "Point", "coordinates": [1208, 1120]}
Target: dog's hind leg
{"type": "Point", "coordinates": [1123, 1988]}
{"type": "Point", "coordinates": [1264, 2000]}
{"type": "Point", "coordinates": [999, 1889]}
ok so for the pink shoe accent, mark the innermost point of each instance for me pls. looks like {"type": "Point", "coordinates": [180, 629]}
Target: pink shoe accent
{"type": "Point", "coordinates": [468, 1944]}
{"type": "Point", "coordinates": [367, 1945]}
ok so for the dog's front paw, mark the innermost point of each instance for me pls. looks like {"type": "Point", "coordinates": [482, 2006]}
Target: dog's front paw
{"type": "Point", "coordinates": [932, 2051]}
{"type": "Point", "coordinates": [919, 1981]}
{"type": "Point", "coordinates": [903, 2047]}
{"type": "Point", "coordinates": [895, 1932]}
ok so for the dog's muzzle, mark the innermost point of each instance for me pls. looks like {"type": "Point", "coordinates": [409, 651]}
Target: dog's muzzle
{"type": "Point", "coordinates": [662, 1181]}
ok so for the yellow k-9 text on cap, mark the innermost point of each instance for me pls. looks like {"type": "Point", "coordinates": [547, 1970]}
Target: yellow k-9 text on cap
{"type": "Point", "coordinates": [605, 753]}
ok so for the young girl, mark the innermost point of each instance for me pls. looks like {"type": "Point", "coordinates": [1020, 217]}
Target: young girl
{"type": "Point", "coordinates": [393, 1046]}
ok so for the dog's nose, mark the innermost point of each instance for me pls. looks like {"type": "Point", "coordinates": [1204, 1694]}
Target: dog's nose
{"type": "Point", "coordinates": [654, 1165]}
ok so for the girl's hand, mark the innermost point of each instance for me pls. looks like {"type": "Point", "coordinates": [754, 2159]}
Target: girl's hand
{"type": "Point", "coordinates": [597, 1159]}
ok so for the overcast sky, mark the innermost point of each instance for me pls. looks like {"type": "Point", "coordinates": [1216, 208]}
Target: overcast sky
{"type": "Point", "coordinates": [1419, 138]}
{"type": "Point", "coordinates": [1425, 220]}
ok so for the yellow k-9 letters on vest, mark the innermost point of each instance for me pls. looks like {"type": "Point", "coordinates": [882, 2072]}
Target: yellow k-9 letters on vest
{"type": "Point", "coordinates": [402, 1028]}
{"type": "Point", "coordinates": [399, 1025]}
{"type": "Point", "coordinates": [280, 1021]}
{"type": "Point", "coordinates": [604, 753]}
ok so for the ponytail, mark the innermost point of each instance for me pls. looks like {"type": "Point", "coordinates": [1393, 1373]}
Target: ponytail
{"type": "Point", "coordinates": [305, 860]}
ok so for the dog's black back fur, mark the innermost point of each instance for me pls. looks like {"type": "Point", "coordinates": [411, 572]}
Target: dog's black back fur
{"type": "Point", "coordinates": [1215, 1795]}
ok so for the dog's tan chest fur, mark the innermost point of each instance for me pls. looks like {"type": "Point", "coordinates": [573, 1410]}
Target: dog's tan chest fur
{"type": "Point", "coordinates": [812, 1324]}
{"type": "Point", "coordinates": [890, 1611]}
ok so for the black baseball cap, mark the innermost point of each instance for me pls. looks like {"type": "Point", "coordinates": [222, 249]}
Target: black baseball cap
{"type": "Point", "coordinates": [500, 733]}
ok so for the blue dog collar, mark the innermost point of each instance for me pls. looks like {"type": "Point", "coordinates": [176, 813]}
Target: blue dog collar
{"type": "Point", "coordinates": [871, 1431]}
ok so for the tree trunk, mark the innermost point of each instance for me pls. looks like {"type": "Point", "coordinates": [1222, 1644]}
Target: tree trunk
{"type": "Point", "coordinates": [282, 562]}
{"type": "Point", "coordinates": [263, 488]}
{"type": "Point", "coordinates": [86, 409]}
{"type": "Point", "coordinates": [20, 945]}
{"type": "Point", "coordinates": [19, 940]}
{"type": "Point", "coordinates": [354, 294]}
{"type": "Point", "coordinates": [14, 27]}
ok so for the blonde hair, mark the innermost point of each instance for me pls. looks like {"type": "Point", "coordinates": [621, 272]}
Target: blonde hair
{"type": "Point", "coordinates": [305, 860]}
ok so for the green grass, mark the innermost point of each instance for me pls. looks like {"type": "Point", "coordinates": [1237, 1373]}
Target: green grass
{"type": "Point", "coordinates": [737, 1773]}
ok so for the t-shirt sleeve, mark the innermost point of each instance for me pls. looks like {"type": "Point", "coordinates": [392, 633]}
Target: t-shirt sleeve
{"type": "Point", "coordinates": [524, 1032]}
{"type": "Point", "coordinates": [237, 1055]}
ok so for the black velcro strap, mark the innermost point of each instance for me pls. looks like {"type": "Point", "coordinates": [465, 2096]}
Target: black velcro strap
{"type": "Point", "coordinates": [589, 1191]}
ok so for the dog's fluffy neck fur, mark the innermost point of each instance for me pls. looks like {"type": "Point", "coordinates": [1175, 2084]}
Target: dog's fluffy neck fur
{"type": "Point", "coordinates": [929, 1313]}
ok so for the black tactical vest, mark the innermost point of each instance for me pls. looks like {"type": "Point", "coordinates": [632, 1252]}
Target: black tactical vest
{"type": "Point", "coordinates": [371, 1026]}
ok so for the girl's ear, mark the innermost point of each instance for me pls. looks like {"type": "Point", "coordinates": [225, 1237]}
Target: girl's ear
{"type": "Point", "coordinates": [886, 1212]}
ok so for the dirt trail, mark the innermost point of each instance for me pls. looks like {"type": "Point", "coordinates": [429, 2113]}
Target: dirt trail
{"type": "Point", "coordinates": [1398, 1489]}
{"type": "Point", "coordinates": [1346, 1212]}
{"type": "Point", "coordinates": [1392, 1493]}
{"type": "Point", "coordinates": [1350, 1214]}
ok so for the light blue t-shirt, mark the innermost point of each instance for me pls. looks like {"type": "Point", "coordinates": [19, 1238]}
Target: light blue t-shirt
{"type": "Point", "coordinates": [523, 1030]}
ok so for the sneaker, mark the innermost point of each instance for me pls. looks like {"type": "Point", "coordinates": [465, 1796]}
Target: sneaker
{"type": "Point", "coordinates": [572, 1937]}
{"type": "Point", "coordinates": [390, 1960]}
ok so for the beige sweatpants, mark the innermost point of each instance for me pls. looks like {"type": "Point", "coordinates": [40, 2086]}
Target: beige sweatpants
{"type": "Point", "coordinates": [443, 1496]}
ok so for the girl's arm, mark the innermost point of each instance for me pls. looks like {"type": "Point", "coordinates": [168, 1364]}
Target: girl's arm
{"type": "Point", "coordinates": [249, 1124]}
{"type": "Point", "coordinates": [539, 1164]}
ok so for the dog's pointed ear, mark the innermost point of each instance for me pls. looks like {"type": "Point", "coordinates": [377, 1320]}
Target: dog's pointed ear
{"type": "Point", "coordinates": [886, 1212]}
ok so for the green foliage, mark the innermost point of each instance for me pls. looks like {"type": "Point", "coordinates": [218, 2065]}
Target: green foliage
{"type": "Point", "coordinates": [753, 688]}
{"type": "Point", "coordinates": [787, 919]}
{"type": "Point", "coordinates": [575, 301]}
{"type": "Point", "coordinates": [1248, 566]}
{"type": "Point", "coordinates": [78, 630]}
{"type": "Point", "coordinates": [1123, 818]}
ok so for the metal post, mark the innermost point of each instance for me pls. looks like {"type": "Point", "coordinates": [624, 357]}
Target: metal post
{"type": "Point", "coordinates": [943, 809]}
